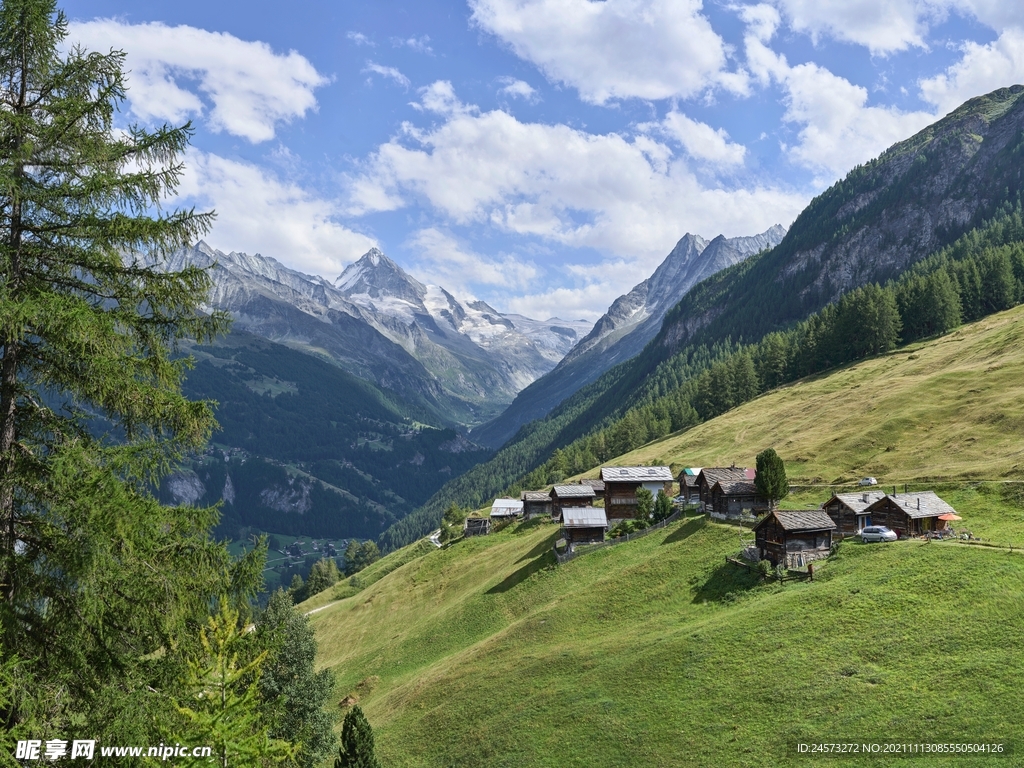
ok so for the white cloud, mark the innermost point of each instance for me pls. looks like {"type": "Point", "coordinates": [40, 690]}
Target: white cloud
{"type": "Point", "coordinates": [838, 127]}
{"type": "Point", "coordinates": [519, 89]}
{"type": "Point", "coordinates": [626, 196]}
{"type": "Point", "coordinates": [982, 69]}
{"type": "Point", "coordinates": [616, 49]}
{"type": "Point", "coordinates": [449, 263]}
{"type": "Point", "coordinates": [701, 141]}
{"type": "Point", "coordinates": [883, 26]}
{"type": "Point", "coordinates": [257, 212]}
{"type": "Point", "coordinates": [251, 87]}
{"type": "Point", "coordinates": [389, 72]}
{"type": "Point", "coordinates": [418, 44]}
{"type": "Point", "coordinates": [360, 39]}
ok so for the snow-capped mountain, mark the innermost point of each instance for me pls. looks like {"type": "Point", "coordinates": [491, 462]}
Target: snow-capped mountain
{"type": "Point", "coordinates": [631, 321]}
{"type": "Point", "coordinates": [466, 360]}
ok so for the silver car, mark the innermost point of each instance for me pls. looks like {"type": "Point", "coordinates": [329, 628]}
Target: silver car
{"type": "Point", "coordinates": [877, 533]}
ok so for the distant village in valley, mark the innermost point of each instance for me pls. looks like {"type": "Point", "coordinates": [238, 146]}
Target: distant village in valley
{"type": "Point", "coordinates": [606, 510]}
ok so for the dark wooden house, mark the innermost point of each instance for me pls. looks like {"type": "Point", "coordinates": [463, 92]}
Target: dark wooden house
{"type": "Point", "coordinates": [689, 488]}
{"type": "Point", "coordinates": [536, 504]}
{"type": "Point", "coordinates": [597, 485]}
{"type": "Point", "coordinates": [910, 514]}
{"type": "Point", "coordinates": [734, 498]}
{"type": "Point", "coordinates": [794, 537]}
{"type": "Point", "coordinates": [849, 510]}
{"type": "Point", "coordinates": [583, 525]}
{"type": "Point", "coordinates": [710, 475]}
{"type": "Point", "coordinates": [476, 526]}
{"type": "Point", "coordinates": [570, 496]}
{"type": "Point", "coordinates": [621, 484]}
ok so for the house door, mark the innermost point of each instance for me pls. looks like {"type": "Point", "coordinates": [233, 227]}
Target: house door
{"type": "Point", "coordinates": [863, 521]}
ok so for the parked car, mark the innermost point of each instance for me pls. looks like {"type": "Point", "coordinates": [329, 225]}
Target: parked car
{"type": "Point", "coordinates": [869, 481]}
{"type": "Point", "coordinates": [877, 533]}
{"type": "Point", "coordinates": [679, 500]}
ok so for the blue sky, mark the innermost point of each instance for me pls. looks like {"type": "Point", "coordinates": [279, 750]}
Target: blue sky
{"type": "Point", "coordinates": [543, 155]}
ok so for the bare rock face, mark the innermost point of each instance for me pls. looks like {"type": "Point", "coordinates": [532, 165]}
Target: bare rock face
{"type": "Point", "coordinates": [185, 487]}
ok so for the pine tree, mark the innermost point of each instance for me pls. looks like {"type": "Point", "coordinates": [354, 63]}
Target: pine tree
{"type": "Point", "coordinates": [323, 575]}
{"type": "Point", "coordinates": [770, 480]}
{"type": "Point", "coordinates": [95, 575]}
{"type": "Point", "coordinates": [644, 504]}
{"type": "Point", "coordinates": [356, 742]}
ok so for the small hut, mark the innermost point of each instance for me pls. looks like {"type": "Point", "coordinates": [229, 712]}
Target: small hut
{"type": "Point", "coordinates": [570, 496]}
{"type": "Point", "coordinates": [794, 537]}
{"type": "Point", "coordinates": [506, 508]}
{"type": "Point", "coordinates": [476, 526]}
{"type": "Point", "coordinates": [583, 525]}
{"type": "Point", "coordinates": [911, 514]}
{"type": "Point", "coordinates": [536, 504]}
{"type": "Point", "coordinates": [849, 510]}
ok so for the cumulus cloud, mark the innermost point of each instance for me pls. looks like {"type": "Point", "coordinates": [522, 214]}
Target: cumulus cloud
{"type": "Point", "coordinates": [838, 128]}
{"type": "Point", "coordinates": [616, 49]}
{"type": "Point", "coordinates": [626, 196]}
{"type": "Point", "coordinates": [450, 263]}
{"type": "Point", "coordinates": [519, 89]}
{"type": "Point", "coordinates": [982, 69]}
{"type": "Point", "coordinates": [418, 44]}
{"type": "Point", "coordinates": [701, 141]}
{"type": "Point", "coordinates": [174, 71]}
{"type": "Point", "coordinates": [258, 212]}
{"type": "Point", "coordinates": [389, 72]}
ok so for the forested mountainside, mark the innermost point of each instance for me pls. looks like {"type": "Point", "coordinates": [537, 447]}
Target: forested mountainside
{"type": "Point", "coordinates": [306, 448]}
{"type": "Point", "coordinates": [631, 321]}
{"type": "Point", "coordinates": [951, 191]}
{"type": "Point", "coordinates": [457, 364]}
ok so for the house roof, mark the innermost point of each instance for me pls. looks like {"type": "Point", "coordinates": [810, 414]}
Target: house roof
{"type": "Point", "coordinates": [714, 474]}
{"type": "Point", "coordinates": [597, 485]}
{"type": "Point", "coordinates": [736, 487]}
{"type": "Point", "coordinates": [858, 502]}
{"type": "Point", "coordinates": [505, 507]}
{"type": "Point", "coordinates": [793, 520]}
{"type": "Point", "coordinates": [573, 491]}
{"type": "Point", "coordinates": [583, 517]}
{"type": "Point", "coordinates": [536, 496]}
{"type": "Point", "coordinates": [637, 474]}
{"type": "Point", "coordinates": [918, 504]}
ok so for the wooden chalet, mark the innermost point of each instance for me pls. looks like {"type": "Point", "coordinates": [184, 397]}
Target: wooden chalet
{"type": "Point", "coordinates": [536, 504]}
{"type": "Point", "coordinates": [734, 498]}
{"type": "Point", "coordinates": [583, 525]}
{"type": "Point", "coordinates": [911, 514]}
{"type": "Point", "coordinates": [689, 488]}
{"type": "Point", "coordinates": [620, 486]}
{"type": "Point", "coordinates": [849, 510]}
{"type": "Point", "coordinates": [794, 537]}
{"type": "Point", "coordinates": [710, 475]}
{"type": "Point", "coordinates": [570, 496]}
{"type": "Point", "coordinates": [505, 508]}
{"type": "Point", "coordinates": [597, 485]}
{"type": "Point", "coordinates": [476, 526]}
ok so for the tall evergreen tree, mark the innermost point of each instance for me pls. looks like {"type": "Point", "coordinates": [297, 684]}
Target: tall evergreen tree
{"type": "Point", "coordinates": [357, 750]}
{"type": "Point", "coordinates": [95, 575]}
{"type": "Point", "coordinates": [770, 480]}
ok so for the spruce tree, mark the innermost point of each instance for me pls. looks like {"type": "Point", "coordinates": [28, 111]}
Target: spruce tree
{"type": "Point", "coordinates": [96, 577]}
{"type": "Point", "coordinates": [770, 480]}
{"type": "Point", "coordinates": [356, 742]}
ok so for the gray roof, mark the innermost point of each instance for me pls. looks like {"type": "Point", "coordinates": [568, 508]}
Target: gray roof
{"type": "Point", "coordinates": [922, 504]}
{"type": "Point", "coordinates": [506, 507]}
{"type": "Point", "coordinates": [597, 485]}
{"type": "Point", "coordinates": [858, 502]}
{"type": "Point", "coordinates": [536, 496]}
{"type": "Point", "coordinates": [573, 491]}
{"type": "Point", "coordinates": [737, 487]}
{"type": "Point", "coordinates": [583, 517]}
{"type": "Point", "coordinates": [714, 474]}
{"type": "Point", "coordinates": [638, 474]}
{"type": "Point", "coordinates": [801, 520]}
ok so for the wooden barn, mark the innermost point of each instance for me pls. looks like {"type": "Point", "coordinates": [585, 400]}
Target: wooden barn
{"type": "Point", "coordinates": [536, 504]}
{"type": "Point", "coordinates": [597, 485]}
{"type": "Point", "coordinates": [583, 525]}
{"type": "Point", "coordinates": [849, 510]}
{"type": "Point", "coordinates": [620, 486]}
{"type": "Point", "coordinates": [476, 526]}
{"type": "Point", "coordinates": [570, 496]}
{"type": "Point", "coordinates": [689, 488]}
{"type": "Point", "coordinates": [794, 537]}
{"type": "Point", "coordinates": [734, 498]}
{"type": "Point", "coordinates": [506, 508]}
{"type": "Point", "coordinates": [710, 475]}
{"type": "Point", "coordinates": [911, 514]}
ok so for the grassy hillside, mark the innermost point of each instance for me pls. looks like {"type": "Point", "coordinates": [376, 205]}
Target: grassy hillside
{"type": "Point", "coordinates": [658, 652]}
{"type": "Point", "coordinates": [949, 408]}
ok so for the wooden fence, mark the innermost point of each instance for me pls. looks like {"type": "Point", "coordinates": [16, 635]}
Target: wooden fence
{"type": "Point", "coordinates": [565, 557]}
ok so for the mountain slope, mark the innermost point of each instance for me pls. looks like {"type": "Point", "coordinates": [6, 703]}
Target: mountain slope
{"type": "Point", "coordinates": [657, 651]}
{"type": "Point", "coordinates": [969, 165]}
{"type": "Point", "coordinates": [630, 322]}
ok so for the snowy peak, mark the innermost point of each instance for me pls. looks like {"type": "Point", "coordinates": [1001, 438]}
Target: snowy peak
{"type": "Point", "coordinates": [376, 276]}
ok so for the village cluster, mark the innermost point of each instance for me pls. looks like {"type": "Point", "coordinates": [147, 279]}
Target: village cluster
{"type": "Point", "coordinates": [793, 538]}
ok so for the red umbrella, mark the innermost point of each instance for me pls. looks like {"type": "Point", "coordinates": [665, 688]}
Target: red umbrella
{"type": "Point", "coordinates": [950, 516]}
